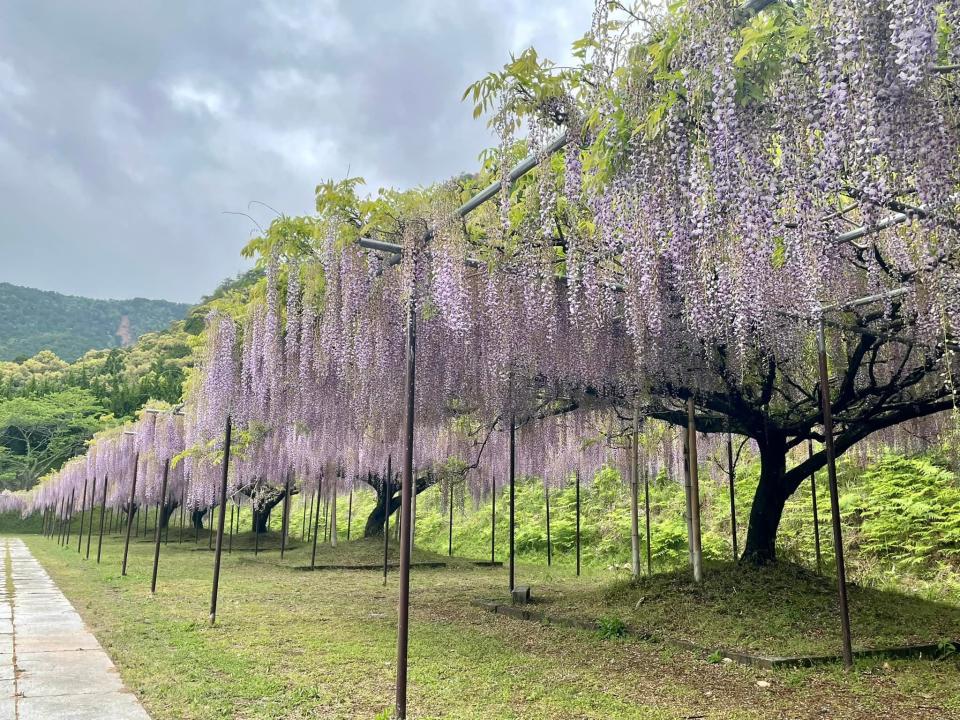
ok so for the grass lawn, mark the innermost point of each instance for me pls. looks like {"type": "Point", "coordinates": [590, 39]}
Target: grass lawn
{"type": "Point", "coordinates": [294, 644]}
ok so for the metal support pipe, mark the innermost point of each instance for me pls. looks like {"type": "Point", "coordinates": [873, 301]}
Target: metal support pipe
{"type": "Point", "coordinates": [316, 523]}
{"type": "Point", "coordinates": [513, 495]}
{"type": "Point", "coordinates": [66, 541]}
{"type": "Point", "coordinates": [103, 512]}
{"type": "Point", "coordinates": [388, 492]}
{"type": "Point", "coordinates": [403, 619]}
{"type": "Point", "coordinates": [133, 495]}
{"type": "Point", "coordinates": [93, 502]}
{"type": "Point", "coordinates": [694, 493]}
{"type": "Point", "coordinates": [646, 505]}
{"type": "Point", "coordinates": [183, 491]}
{"type": "Point", "coordinates": [816, 515]}
{"type": "Point", "coordinates": [159, 530]}
{"type": "Point", "coordinates": [834, 495]}
{"type": "Point", "coordinates": [546, 490]}
{"type": "Point", "coordinates": [222, 516]}
{"type": "Point", "coordinates": [731, 476]}
{"type": "Point", "coordinates": [493, 521]}
{"type": "Point", "coordinates": [578, 523]}
{"type": "Point", "coordinates": [83, 516]}
{"type": "Point", "coordinates": [635, 496]}
{"type": "Point", "coordinates": [230, 537]}
{"type": "Point", "coordinates": [285, 521]}
{"type": "Point", "coordinates": [349, 512]}
{"type": "Point", "coordinates": [303, 520]}
{"type": "Point", "coordinates": [450, 523]}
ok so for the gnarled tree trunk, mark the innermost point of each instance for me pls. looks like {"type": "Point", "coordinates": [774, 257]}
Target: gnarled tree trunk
{"type": "Point", "coordinates": [772, 493]}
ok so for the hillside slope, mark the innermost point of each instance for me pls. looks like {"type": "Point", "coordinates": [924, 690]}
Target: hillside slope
{"type": "Point", "coordinates": [34, 320]}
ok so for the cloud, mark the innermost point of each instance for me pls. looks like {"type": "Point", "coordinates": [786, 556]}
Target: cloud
{"type": "Point", "coordinates": [128, 129]}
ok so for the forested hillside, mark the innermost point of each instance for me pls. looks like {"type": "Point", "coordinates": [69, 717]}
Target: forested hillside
{"type": "Point", "coordinates": [49, 407]}
{"type": "Point", "coordinates": [35, 320]}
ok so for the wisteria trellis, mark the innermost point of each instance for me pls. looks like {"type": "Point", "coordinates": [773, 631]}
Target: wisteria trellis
{"type": "Point", "coordinates": [713, 170]}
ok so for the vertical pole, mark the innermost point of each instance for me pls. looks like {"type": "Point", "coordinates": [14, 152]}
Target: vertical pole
{"type": "Point", "coordinates": [316, 525]}
{"type": "Point", "coordinates": [159, 531]}
{"type": "Point", "coordinates": [66, 542]}
{"type": "Point", "coordinates": [546, 490]}
{"type": "Point", "coordinates": [646, 505]}
{"type": "Point", "coordinates": [133, 494]}
{"type": "Point", "coordinates": [60, 513]}
{"type": "Point", "coordinates": [284, 524]}
{"type": "Point", "coordinates": [183, 492]}
{"type": "Point", "coordinates": [230, 540]}
{"type": "Point", "coordinates": [578, 523]}
{"type": "Point", "coordinates": [686, 492]}
{"type": "Point", "coordinates": [256, 531]}
{"type": "Point", "coordinates": [493, 521]}
{"type": "Point", "coordinates": [349, 512]}
{"type": "Point", "coordinates": [93, 501]}
{"type": "Point", "coordinates": [103, 512]}
{"type": "Point", "coordinates": [222, 517]}
{"type": "Point", "coordinates": [83, 516]}
{"type": "Point", "coordinates": [816, 516]}
{"type": "Point", "coordinates": [326, 515]}
{"type": "Point", "coordinates": [694, 493]}
{"type": "Point", "coordinates": [406, 489]}
{"type": "Point", "coordinates": [834, 495]}
{"type": "Point", "coordinates": [333, 510]}
{"type": "Point", "coordinates": [386, 517]}
{"type": "Point", "coordinates": [450, 523]}
{"type": "Point", "coordinates": [413, 516]}
{"type": "Point", "coordinates": [731, 476]}
{"type": "Point", "coordinates": [310, 518]}
{"type": "Point", "coordinates": [513, 496]}
{"type": "Point", "coordinates": [303, 520]}
{"type": "Point", "coordinates": [635, 496]}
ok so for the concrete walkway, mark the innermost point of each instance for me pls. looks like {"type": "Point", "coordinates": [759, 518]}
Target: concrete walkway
{"type": "Point", "coordinates": [51, 666]}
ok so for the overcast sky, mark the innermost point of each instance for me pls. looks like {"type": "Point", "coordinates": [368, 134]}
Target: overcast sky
{"type": "Point", "coordinates": [128, 128]}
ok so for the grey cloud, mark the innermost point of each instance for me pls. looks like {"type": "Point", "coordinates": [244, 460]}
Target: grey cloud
{"type": "Point", "coordinates": [126, 129]}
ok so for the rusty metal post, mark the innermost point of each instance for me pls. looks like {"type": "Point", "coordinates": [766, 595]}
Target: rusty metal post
{"type": "Point", "coordinates": [222, 518]}
{"type": "Point", "coordinates": [834, 495]}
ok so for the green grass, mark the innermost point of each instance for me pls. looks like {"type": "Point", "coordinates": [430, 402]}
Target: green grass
{"type": "Point", "coordinates": [292, 644]}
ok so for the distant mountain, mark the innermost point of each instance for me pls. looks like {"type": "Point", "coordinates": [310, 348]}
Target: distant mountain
{"type": "Point", "coordinates": [34, 320]}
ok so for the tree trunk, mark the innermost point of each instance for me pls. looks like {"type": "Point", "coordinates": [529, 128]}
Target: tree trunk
{"type": "Point", "coordinates": [772, 494]}
{"type": "Point", "coordinates": [166, 513]}
{"type": "Point", "coordinates": [262, 508]}
{"type": "Point", "coordinates": [196, 518]}
{"type": "Point", "coordinates": [374, 526]}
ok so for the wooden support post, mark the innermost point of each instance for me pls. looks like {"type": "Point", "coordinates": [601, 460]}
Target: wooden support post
{"type": "Point", "coordinates": [450, 522]}
{"type": "Point", "coordinates": [285, 520]}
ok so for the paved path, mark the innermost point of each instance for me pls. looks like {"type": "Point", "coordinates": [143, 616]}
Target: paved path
{"type": "Point", "coordinates": [51, 666]}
